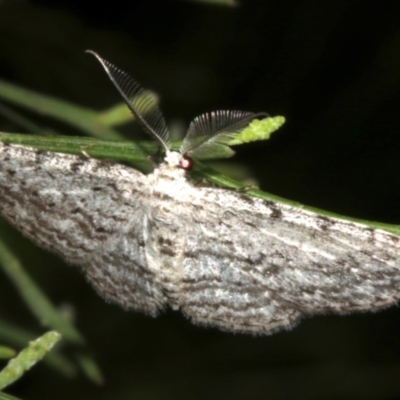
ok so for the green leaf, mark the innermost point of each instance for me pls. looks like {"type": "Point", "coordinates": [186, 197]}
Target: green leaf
{"type": "Point", "coordinates": [85, 146]}
{"type": "Point", "coordinates": [23, 121]}
{"type": "Point", "coordinates": [42, 308]}
{"type": "Point", "coordinates": [6, 352]}
{"type": "Point", "coordinates": [258, 130]}
{"type": "Point", "coordinates": [27, 358]}
{"type": "Point", "coordinates": [4, 396]}
{"type": "Point", "coordinates": [35, 299]}
{"type": "Point", "coordinates": [116, 115]}
{"type": "Point", "coordinates": [81, 118]}
{"type": "Point", "coordinates": [19, 337]}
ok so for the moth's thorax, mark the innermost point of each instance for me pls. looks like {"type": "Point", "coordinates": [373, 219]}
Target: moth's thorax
{"type": "Point", "coordinates": [169, 178]}
{"type": "Point", "coordinates": [173, 158]}
{"type": "Point", "coordinates": [164, 234]}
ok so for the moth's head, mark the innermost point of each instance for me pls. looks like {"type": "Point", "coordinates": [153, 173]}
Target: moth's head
{"type": "Point", "coordinates": [176, 159]}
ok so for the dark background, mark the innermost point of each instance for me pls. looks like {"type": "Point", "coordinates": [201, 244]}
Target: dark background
{"type": "Point", "coordinates": [332, 68]}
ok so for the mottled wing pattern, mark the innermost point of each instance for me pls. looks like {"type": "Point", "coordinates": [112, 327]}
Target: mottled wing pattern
{"type": "Point", "coordinates": [222, 257]}
{"type": "Point", "coordinates": [86, 210]}
{"type": "Point", "coordinates": [257, 266]}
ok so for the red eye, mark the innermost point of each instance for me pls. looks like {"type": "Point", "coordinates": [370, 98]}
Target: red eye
{"type": "Point", "coordinates": [186, 163]}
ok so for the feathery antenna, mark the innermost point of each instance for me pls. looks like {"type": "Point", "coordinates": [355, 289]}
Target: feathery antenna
{"type": "Point", "coordinates": [211, 132]}
{"type": "Point", "coordinates": [140, 101]}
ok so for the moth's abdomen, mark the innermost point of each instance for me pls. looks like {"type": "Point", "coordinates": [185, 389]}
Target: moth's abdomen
{"type": "Point", "coordinates": [164, 245]}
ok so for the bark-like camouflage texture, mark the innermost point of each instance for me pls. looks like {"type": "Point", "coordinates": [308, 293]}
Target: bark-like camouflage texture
{"type": "Point", "coordinates": [223, 258]}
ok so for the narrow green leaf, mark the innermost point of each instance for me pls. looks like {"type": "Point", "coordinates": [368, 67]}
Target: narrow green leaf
{"type": "Point", "coordinates": [89, 368]}
{"type": "Point", "coordinates": [4, 396]}
{"type": "Point", "coordinates": [258, 130]}
{"type": "Point", "coordinates": [19, 337]}
{"type": "Point", "coordinates": [23, 121]}
{"type": "Point", "coordinates": [39, 304]}
{"type": "Point", "coordinates": [28, 357]}
{"type": "Point", "coordinates": [79, 117]}
{"type": "Point", "coordinates": [120, 113]}
{"type": "Point", "coordinates": [14, 335]}
{"type": "Point", "coordinates": [34, 298]}
{"type": "Point", "coordinates": [137, 151]}
{"type": "Point", "coordinates": [85, 146]}
{"type": "Point", "coordinates": [6, 352]}
{"type": "Point", "coordinates": [116, 115]}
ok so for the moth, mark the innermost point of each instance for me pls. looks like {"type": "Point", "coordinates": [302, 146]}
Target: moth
{"type": "Point", "coordinates": [225, 259]}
